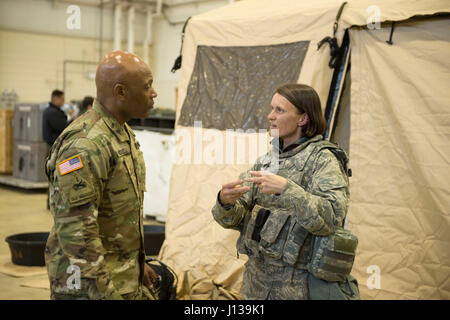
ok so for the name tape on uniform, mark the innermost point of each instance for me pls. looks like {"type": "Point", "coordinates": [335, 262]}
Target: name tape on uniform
{"type": "Point", "coordinates": [70, 165]}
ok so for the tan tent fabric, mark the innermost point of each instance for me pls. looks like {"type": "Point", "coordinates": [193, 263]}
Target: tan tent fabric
{"type": "Point", "coordinates": [233, 26]}
{"type": "Point", "coordinates": [287, 21]}
{"type": "Point", "coordinates": [398, 145]}
{"type": "Point", "coordinates": [400, 151]}
{"type": "Point", "coordinates": [357, 13]}
{"type": "Point", "coordinates": [195, 244]}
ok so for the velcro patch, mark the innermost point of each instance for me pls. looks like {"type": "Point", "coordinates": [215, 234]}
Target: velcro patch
{"type": "Point", "coordinates": [123, 152]}
{"type": "Point", "coordinates": [69, 165]}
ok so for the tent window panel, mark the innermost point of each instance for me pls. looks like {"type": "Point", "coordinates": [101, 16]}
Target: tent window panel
{"type": "Point", "coordinates": [231, 87]}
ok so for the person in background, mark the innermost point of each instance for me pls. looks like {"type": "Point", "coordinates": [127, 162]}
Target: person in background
{"type": "Point", "coordinates": [54, 120]}
{"type": "Point", "coordinates": [86, 104]}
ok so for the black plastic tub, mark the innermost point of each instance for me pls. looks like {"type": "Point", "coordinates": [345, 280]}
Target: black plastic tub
{"type": "Point", "coordinates": [153, 239]}
{"type": "Point", "coordinates": [27, 249]}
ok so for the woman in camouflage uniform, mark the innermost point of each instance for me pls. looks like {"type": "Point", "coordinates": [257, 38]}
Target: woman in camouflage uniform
{"type": "Point", "coordinates": [278, 205]}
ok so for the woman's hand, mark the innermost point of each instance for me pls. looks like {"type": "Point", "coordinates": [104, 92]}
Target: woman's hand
{"type": "Point", "coordinates": [232, 191]}
{"type": "Point", "coordinates": [268, 182]}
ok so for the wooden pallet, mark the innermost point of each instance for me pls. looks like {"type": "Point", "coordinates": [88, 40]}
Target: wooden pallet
{"type": "Point", "coordinates": [6, 140]}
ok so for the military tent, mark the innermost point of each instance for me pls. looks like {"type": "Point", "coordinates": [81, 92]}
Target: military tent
{"type": "Point", "coordinates": [383, 77]}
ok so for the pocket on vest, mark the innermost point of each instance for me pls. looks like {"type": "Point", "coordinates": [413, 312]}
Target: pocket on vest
{"type": "Point", "coordinates": [274, 235]}
{"type": "Point", "coordinates": [245, 244]}
{"type": "Point", "coordinates": [294, 243]}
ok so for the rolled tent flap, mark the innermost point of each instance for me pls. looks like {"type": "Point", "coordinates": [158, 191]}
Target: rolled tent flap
{"type": "Point", "coordinates": [395, 102]}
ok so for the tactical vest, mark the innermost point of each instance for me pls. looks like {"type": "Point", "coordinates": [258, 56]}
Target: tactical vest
{"type": "Point", "coordinates": [299, 249]}
{"type": "Point", "coordinates": [331, 257]}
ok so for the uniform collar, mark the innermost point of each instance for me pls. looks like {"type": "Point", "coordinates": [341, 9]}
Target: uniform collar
{"type": "Point", "coordinates": [294, 147]}
{"type": "Point", "coordinates": [119, 131]}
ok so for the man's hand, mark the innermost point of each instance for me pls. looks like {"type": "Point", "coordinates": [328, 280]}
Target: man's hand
{"type": "Point", "coordinates": [232, 191]}
{"type": "Point", "coordinates": [150, 277]}
{"type": "Point", "coordinates": [268, 182]}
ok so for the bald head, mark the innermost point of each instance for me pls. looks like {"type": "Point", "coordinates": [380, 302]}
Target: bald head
{"type": "Point", "coordinates": [124, 85]}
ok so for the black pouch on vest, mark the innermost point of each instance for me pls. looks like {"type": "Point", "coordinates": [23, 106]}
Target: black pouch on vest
{"type": "Point", "coordinates": [261, 219]}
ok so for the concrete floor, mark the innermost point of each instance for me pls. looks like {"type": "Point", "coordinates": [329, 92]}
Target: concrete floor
{"type": "Point", "coordinates": [24, 211]}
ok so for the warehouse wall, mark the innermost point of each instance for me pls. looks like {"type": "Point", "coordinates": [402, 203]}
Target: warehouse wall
{"type": "Point", "coordinates": [34, 42]}
{"type": "Point", "coordinates": [32, 65]}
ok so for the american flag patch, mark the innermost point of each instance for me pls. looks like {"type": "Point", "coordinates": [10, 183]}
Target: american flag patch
{"type": "Point", "coordinates": [70, 165]}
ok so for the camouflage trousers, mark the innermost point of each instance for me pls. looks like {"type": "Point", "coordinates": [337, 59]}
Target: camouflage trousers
{"type": "Point", "coordinates": [263, 281]}
{"type": "Point", "coordinates": [143, 293]}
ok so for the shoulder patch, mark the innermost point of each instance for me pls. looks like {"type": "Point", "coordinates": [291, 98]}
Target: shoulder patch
{"type": "Point", "coordinates": [69, 165]}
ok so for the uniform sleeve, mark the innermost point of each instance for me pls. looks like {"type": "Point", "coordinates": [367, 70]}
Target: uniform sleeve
{"type": "Point", "coordinates": [231, 216]}
{"type": "Point", "coordinates": [77, 197]}
{"type": "Point", "coordinates": [324, 207]}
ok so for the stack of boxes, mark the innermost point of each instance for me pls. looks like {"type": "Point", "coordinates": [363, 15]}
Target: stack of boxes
{"type": "Point", "coordinates": [30, 149]}
{"type": "Point", "coordinates": [7, 102]}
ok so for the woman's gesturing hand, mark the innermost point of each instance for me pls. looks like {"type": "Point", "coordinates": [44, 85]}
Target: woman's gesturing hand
{"type": "Point", "coordinates": [232, 191]}
{"type": "Point", "coordinates": [268, 182]}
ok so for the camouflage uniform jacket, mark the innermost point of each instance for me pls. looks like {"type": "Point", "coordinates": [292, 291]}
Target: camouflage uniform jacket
{"type": "Point", "coordinates": [97, 182]}
{"type": "Point", "coordinates": [314, 201]}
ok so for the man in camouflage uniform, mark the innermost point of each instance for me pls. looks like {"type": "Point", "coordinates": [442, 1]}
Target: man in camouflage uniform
{"type": "Point", "coordinates": [277, 213]}
{"type": "Point", "coordinates": [97, 181]}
